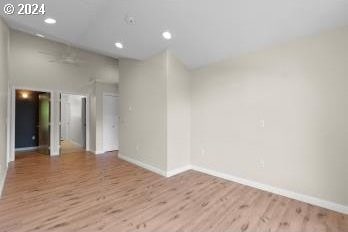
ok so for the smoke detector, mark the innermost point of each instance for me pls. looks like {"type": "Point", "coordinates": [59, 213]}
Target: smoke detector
{"type": "Point", "coordinates": [129, 20]}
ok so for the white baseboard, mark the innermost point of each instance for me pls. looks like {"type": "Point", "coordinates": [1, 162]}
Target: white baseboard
{"type": "Point", "coordinates": [283, 192]}
{"type": "Point", "coordinates": [143, 165]}
{"type": "Point", "coordinates": [297, 196]}
{"type": "Point", "coordinates": [26, 148]}
{"type": "Point", "coordinates": [97, 152]}
{"type": "Point", "coordinates": [178, 171]}
{"type": "Point", "coordinates": [2, 181]}
{"type": "Point", "coordinates": [75, 143]}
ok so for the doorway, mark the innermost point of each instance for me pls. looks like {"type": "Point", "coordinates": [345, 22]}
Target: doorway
{"type": "Point", "coordinates": [32, 122]}
{"type": "Point", "coordinates": [110, 122]}
{"type": "Point", "coordinates": [73, 123]}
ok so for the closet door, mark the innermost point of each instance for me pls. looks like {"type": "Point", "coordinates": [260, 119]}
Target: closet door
{"type": "Point", "coordinates": [110, 123]}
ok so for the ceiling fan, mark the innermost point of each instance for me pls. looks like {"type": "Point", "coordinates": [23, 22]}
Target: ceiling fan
{"type": "Point", "coordinates": [68, 55]}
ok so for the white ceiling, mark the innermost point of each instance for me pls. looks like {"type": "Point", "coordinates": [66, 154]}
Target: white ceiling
{"type": "Point", "coordinates": [204, 31]}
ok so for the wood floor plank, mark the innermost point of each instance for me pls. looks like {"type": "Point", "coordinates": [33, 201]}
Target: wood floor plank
{"type": "Point", "coordinates": [81, 192]}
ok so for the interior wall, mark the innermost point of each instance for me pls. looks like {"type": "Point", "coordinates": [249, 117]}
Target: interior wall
{"type": "Point", "coordinates": [27, 118]}
{"type": "Point", "coordinates": [65, 116]}
{"type": "Point", "coordinates": [143, 110]}
{"type": "Point", "coordinates": [278, 116]}
{"type": "Point", "coordinates": [76, 123]}
{"type": "Point", "coordinates": [178, 114]}
{"type": "Point", "coordinates": [32, 67]}
{"type": "Point", "coordinates": [4, 46]}
{"type": "Point", "coordinates": [155, 112]}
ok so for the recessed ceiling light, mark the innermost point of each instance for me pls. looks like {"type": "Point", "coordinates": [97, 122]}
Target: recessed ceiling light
{"type": "Point", "coordinates": [50, 21]}
{"type": "Point", "coordinates": [119, 45]}
{"type": "Point", "coordinates": [167, 35]}
{"type": "Point", "coordinates": [40, 35]}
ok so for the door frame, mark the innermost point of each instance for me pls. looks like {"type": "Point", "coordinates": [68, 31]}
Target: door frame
{"type": "Point", "coordinates": [12, 120]}
{"type": "Point", "coordinates": [54, 117]}
{"type": "Point", "coordinates": [118, 126]}
{"type": "Point", "coordinates": [87, 136]}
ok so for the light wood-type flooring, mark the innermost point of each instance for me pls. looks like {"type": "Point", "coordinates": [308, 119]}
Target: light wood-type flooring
{"type": "Point", "coordinates": [83, 192]}
{"type": "Point", "coordinates": [70, 147]}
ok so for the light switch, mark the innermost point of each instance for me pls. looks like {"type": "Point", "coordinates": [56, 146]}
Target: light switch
{"type": "Point", "coordinates": [262, 123]}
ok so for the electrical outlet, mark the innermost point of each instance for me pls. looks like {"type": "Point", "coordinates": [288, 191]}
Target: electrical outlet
{"type": "Point", "coordinates": [137, 147]}
{"type": "Point", "coordinates": [202, 151]}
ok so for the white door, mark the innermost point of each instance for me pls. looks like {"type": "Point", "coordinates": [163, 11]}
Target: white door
{"type": "Point", "coordinates": [110, 123]}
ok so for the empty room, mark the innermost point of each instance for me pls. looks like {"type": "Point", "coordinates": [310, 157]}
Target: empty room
{"type": "Point", "coordinates": [173, 115]}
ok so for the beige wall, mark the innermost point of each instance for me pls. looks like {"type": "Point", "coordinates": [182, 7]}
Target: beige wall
{"type": "Point", "coordinates": [155, 112]}
{"type": "Point", "coordinates": [300, 90]}
{"type": "Point", "coordinates": [4, 45]}
{"type": "Point", "coordinates": [143, 110]}
{"type": "Point", "coordinates": [178, 114]}
{"type": "Point", "coordinates": [31, 67]}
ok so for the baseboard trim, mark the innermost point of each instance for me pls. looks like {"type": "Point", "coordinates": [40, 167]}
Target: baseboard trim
{"type": "Point", "coordinates": [143, 165]}
{"type": "Point", "coordinates": [283, 192]}
{"type": "Point", "coordinates": [26, 148]}
{"type": "Point", "coordinates": [286, 193]}
{"type": "Point", "coordinates": [2, 182]}
{"type": "Point", "coordinates": [75, 143]}
{"type": "Point", "coordinates": [98, 152]}
{"type": "Point", "coordinates": [178, 171]}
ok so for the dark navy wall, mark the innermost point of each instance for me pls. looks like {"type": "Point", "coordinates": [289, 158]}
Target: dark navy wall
{"type": "Point", "coordinates": [26, 120]}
